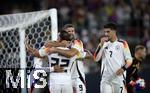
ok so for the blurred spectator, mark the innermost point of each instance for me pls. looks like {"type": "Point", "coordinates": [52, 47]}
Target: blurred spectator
{"type": "Point", "coordinates": [148, 47]}
{"type": "Point", "coordinates": [89, 16]}
{"type": "Point", "coordinates": [123, 13]}
{"type": "Point", "coordinates": [146, 40]}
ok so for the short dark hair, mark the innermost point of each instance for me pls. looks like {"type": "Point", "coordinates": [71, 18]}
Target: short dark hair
{"type": "Point", "coordinates": [68, 25]}
{"type": "Point", "coordinates": [139, 47]}
{"type": "Point", "coordinates": [111, 25]}
{"type": "Point", "coordinates": [65, 35]}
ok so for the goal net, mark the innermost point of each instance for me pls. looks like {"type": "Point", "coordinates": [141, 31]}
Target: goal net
{"type": "Point", "coordinates": [37, 27]}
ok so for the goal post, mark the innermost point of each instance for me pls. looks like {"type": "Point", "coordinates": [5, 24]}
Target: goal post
{"type": "Point", "coordinates": [14, 28]}
{"type": "Point", "coordinates": [54, 28]}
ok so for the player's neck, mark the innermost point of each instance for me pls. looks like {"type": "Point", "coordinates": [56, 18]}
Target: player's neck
{"type": "Point", "coordinates": [113, 39]}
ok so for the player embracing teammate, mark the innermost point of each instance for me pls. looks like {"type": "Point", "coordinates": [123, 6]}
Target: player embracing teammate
{"type": "Point", "coordinates": [77, 71]}
{"type": "Point", "coordinates": [74, 48]}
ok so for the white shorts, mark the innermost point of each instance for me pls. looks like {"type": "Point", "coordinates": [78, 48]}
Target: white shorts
{"type": "Point", "coordinates": [78, 86]}
{"type": "Point", "coordinates": [61, 88]}
{"type": "Point", "coordinates": [110, 87]}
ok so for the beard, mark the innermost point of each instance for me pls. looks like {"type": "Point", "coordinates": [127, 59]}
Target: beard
{"type": "Point", "coordinates": [143, 57]}
{"type": "Point", "coordinates": [72, 37]}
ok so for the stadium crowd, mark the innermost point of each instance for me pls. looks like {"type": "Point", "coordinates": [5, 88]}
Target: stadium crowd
{"type": "Point", "coordinates": [89, 16]}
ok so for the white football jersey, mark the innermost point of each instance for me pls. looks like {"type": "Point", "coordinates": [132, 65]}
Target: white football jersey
{"type": "Point", "coordinates": [78, 70]}
{"type": "Point", "coordinates": [66, 63]}
{"type": "Point", "coordinates": [78, 66]}
{"type": "Point", "coordinates": [113, 57]}
{"type": "Point", "coordinates": [41, 63]}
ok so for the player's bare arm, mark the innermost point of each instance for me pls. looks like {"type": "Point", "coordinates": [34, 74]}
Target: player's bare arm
{"type": "Point", "coordinates": [67, 53]}
{"type": "Point", "coordinates": [50, 43]}
{"type": "Point", "coordinates": [102, 40]}
{"type": "Point", "coordinates": [35, 53]}
{"type": "Point", "coordinates": [88, 56]}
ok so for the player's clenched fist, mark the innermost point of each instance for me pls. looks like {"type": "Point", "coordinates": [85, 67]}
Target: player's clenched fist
{"type": "Point", "coordinates": [28, 47]}
{"type": "Point", "coordinates": [103, 39]}
{"type": "Point", "coordinates": [120, 72]}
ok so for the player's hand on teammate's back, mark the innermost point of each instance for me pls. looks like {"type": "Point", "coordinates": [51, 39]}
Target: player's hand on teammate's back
{"type": "Point", "coordinates": [120, 72]}
{"type": "Point", "coordinates": [57, 68]}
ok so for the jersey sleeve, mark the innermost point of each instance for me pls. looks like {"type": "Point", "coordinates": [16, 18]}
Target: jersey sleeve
{"type": "Point", "coordinates": [78, 45]}
{"type": "Point", "coordinates": [43, 51]}
{"type": "Point", "coordinates": [98, 53]}
{"type": "Point", "coordinates": [126, 51]}
{"type": "Point", "coordinates": [83, 54]}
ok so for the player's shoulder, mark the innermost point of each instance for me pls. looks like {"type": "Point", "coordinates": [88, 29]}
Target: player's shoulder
{"type": "Point", "coordinates": [78, 41]}
{"type": "Point", "coordinates": [123, 42]}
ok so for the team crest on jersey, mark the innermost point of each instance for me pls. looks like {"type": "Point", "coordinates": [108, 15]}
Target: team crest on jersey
{"type": "Point", "coordinates": [117, 47]}
{"type": "Point", "coordinates": [106, 47]}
